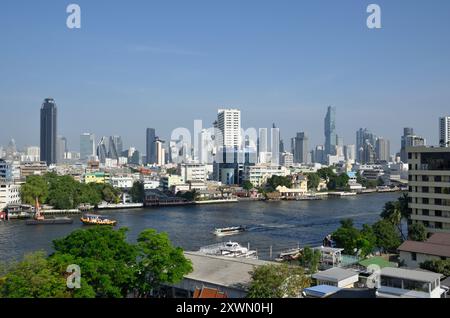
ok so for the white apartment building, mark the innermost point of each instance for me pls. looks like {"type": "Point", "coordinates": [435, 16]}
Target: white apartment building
{"type": "Point", "coordinates": [405, 283]}
{"type": "Point", "coordinates": [194, 172]}
{"type": "Point", "coordinates": [9, 194]}
{"type": "Point", "coordinates": [259, 174]}
{"type": "Point", "coordinates": [444, 131]}
{"type": "Point", "coordinates": [122, 182]}
{"type": "Point", "coordinates": [429, 187]}
{"type": "Point", "coordinates": [160, 153]}
{"type": "Point", "coordinates": [229, 124]}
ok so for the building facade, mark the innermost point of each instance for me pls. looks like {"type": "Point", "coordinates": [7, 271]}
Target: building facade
{"type": "Point", "coordinates": [229, 125]}
{"type": "Point", "coordinates": [444, 131]}
{"type": "Point", "coordinates": [330, 131]}
{"type": "Point", "coordinates": [429, 187]}
{"type": "Point", "coordinates": [87, 146]}
{"type": "Point", "coordinates": [48, 131]}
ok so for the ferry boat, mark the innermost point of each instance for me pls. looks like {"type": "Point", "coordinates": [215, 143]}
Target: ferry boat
{"type": "Point", "coordinates": [289, 255]}
{"type": "Point", "coordinates": [91, 219]}
{"type": "Point", "coordinates": [229, 230]}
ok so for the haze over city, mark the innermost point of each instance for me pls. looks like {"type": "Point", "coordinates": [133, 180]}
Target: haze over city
{"type": "Point", "coordinates": [151, 65]}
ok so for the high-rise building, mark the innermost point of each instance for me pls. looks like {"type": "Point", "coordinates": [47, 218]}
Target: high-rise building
{"type": "Point", "coordinates": [367, 153]}
{"type": "Point", "coordinates": [301, 148]}
{"type": "Point", "coordinates": [61, 148]}
{"type": "Point", "coordinates": [383, 149]}
{"type": "Point", "coordinates": [160, 152]}
{"type": "Point", "coordinates": [409, 139]}
{"type": "Point", "coordinates": [350, 153]}
{"type": "Point", "coordinates": [48, 131]}
{"type": "Point", "coordinates": [87, 146]}
{"type": "Point", "coordinates": [364, 136]}
{"type": "Point", "coordinates": [429, 198]}
{"type": "Point", "coordinates": [330, 131]}
{"type": "Point", "coordinates": [115, 147]}
{"type": "Point", "coordinates": [229, 124]}
{"type": "Point", "coordinates": [319, 154]}
{"type": "Point", "coordinates": [444, 131]}
{"type": "Point", "coordinates": [102, 151]}
{"type": "Point", "coordinates": [150, 146]}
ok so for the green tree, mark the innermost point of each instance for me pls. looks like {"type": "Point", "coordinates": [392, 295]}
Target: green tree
{"type": "Point", "coordinates": [34, 187]}
{"type": "Point", "coordinates": [417, 232]}
{"type": "Point", "coordinates": [247, 186]}
{"type": "Point", "coordinates": [33, 277]}
{"type": "Point", "coordinates": [347, 237]}
{"type": "Point", "coordinates": [310, 259]}
{"type": "Point", "coordinates": [107, 260]}
{"type": "Point", "coordinates": [158, 262]}
{"type": "Point", "coordinates": [393, 213]}
{"type": "Point", "coordinates": [388, 236]}
{"type": "Point", "coordinates": [367, 241]}
{"type": "Point", "coordinates": [313, 181]}
{"type": "Point", "coordinates": [338, 182]}
{"type": "Point", "coordinates": [274, 181]}
{"type": "Point", "coordinates": [437, 266]}
{"type": "Point", "coordinates": [137, 192]}
{"type": "Point", "coordinates": [277, 281]}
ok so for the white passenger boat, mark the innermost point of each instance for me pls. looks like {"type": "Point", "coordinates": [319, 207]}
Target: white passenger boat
{"type": "Point", "coordinates": [229, 230]}
{"type": "Point", "coordinates": [229, 249]}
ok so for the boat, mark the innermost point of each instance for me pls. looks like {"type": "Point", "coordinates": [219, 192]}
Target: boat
{"type": "Point", "coordinates": [39, 218]}
{"type": "Point", "coordinates": [92, 219]}
{"type": "Point", "coordinates": [229, 230]}
{"type": "Point", "coordinates": [229, 249]}
{"type": "Point", "coordinates": [289, 255]}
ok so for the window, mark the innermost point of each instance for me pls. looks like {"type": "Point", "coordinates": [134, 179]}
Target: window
{"type": "Point", "coordinates": [438, 213]}
{"type": "Point", "coordinates": [425, 178]}
{"type": "Point", "coordinates": [391, 282]}
{"type": "Point", "coordinates": [438, 201]}
{"type": "Point", "coordinates": [414, 256]}
{"type": "Point", "coordinates": [438, 225]}
{"type": "Point", "coordinates": [426, 223]}
{"type": "Point", "coordinates": [409, 155]}
{"type": "Point", "coordinates": [437, 179]}
{"type": "Point", "coordinates": [415, 285]}
{"type": "Point", "coordinates": [438, 190]}
{"type": "Point", "coordinates": [425, 189]}
{"type": "Point", "coordinates": [425, 212]}
{"type": "Point", "coordinates": [425, 200]}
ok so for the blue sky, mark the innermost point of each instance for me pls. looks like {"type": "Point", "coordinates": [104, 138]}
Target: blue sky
{"type": "Point", "coordinates": [137, 64]}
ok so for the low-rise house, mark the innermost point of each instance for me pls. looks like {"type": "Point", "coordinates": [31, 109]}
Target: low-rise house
{"type": "Point", "coordinates": [330, 256]}
{"type": "Point", "coordinates": [9, 194]}
{"type": "Point", "coordinates": [413, 253]}
{"type": "Point", "coordinates": [406, 283]}
{"type": "Point", "coordinates": [97, 177]}
{"type": "Point", "coordinates": [338, 277]}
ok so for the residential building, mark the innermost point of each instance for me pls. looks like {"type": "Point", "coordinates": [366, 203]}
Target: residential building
{"type": "Point", "coordinates": [167, 182]}
{"type": "Point", "coordinates": [413, 253]}
{"type": "Point", "coordinates": [5, 171]}
{"type": "Point", "coordinates": [330, 131]}
{"type": "Point", "coordinates": [61, 149]}
{"type": "Point", "coordinates": [350, 153]}
{"type": "Point", "coordinates": [98, 177]}
{"type": "Point", "coordinates": [9, 194]}
{"type": "Point", "coordinates": [365, 145]}
{"type": "Point", "coordinates": [48, 131]}
{"type": "Point", "coordinates": [258, 174]}
{"type": "Point", "coordinates": [287, 159]}
{"type": "Point", "coordinates": [193, 172]}
{"type": "Point", "coordinates": [122, 182]}
{"type": "Point", "coordinates": [409, 139]}
{"type": "Point", "coordinates": [160, 152]}
{"type": "Point", "coordinates": [32, 169]}
{"type": "Point", "coordinates": [444, 131]}
{"type": "Point", "coordinates": [383, 149]}
{"type": "Point", "coordinates": [429, 187]}
{"type": "Point", "coordinates": [337, 277]}
{"type": "Point", "coordinates": [87, 146]}
{"type": "Point", "coordinates": [229, 124]}
{"type": "Point", "coordinates": [405, 283]}
{"type": "Point", "coordinates": [32, 154]}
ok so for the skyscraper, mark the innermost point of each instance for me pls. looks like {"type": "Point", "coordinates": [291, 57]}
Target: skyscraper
{"type": "Point", "coordinates": [61, 148]}
{"type": "Point", "coordinates": [409, 139]}
{"type": "Point", "coordinates": [160, 152]}
{"type": "Point", "coordinates": [444, 131]}
{"type": "Point", "coordinates": [87, 146]}
{"type": "Point", "coordinates": [48, 131]}
{"type": "Point", "coordinates": [301, 148]}
{"type": "Point", "coordinates": [102, 151]}
{"type": "Point", "coordinates": [330, 131]}
{"type": "Point", "coordinates": [364, 136]}
{"type": "Point", "coordinates": [150, 146]}
{"type": "Point", "coordinates": [115, 147]}
{"type": "Point", "coordinates": [383, 149]}
{"type": "Point", "coordinates": [229, 124]}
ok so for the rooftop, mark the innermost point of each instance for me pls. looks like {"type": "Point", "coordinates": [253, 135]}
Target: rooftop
{"type": "Point", "coordinates": [377, 260]}
{"type": "Point", "coordinates": [438, 245]}
{"type": "Point", "coordinates": [416, 275]}
{"type": "Point", "coordinates": [335, 274]}
{"type": "Point", "coordinates": [321, 291]}
{"type": "Point", "coordinates": [222, 271]}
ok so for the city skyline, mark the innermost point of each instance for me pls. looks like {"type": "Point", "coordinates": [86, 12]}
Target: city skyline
{"type": "Point", "coordinates": [165, 73]}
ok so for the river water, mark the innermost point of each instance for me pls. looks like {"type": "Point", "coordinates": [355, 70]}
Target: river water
{"type": "Point", "coordinates": [282, 225]}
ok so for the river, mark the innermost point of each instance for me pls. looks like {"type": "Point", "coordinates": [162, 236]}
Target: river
{"type": "Point", "coordinates": [282, 225]}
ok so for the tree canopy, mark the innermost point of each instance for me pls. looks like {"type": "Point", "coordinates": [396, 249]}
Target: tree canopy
{"type": "Point", "coordinates": [277, 281]}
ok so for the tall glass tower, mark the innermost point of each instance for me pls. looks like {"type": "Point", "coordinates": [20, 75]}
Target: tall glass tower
{"type": "Point", "coordinates": [330, 131]}
{"type": "Point", "coordinates": [150, 146]}
{"type": "Point", "coordinates": [48, 131]}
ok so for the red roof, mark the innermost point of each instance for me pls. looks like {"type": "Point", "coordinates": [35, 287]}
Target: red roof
{"type": "Point", "coordinates": [206, 292]}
